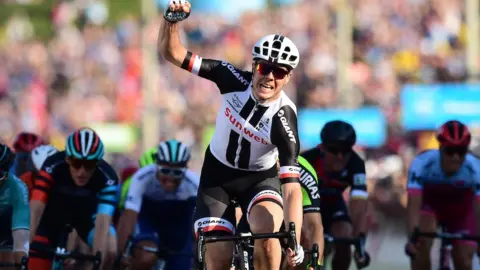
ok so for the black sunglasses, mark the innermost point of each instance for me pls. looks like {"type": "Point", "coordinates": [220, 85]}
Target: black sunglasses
{"type": "Point", "coordinates": [452, 150]}
{"type": "Point", "coordinates": [334, 149]}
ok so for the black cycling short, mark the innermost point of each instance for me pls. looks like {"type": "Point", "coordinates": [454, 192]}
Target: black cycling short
{"type": "Point", "coordinates": [6, 239]}
{"type": "Point", "coordinates": [334, 211]}
{"type": "Point", "coordinates": [220, 184]}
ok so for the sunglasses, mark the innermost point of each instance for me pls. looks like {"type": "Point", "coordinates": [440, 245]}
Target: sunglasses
{"type": "Point", "coordinates": [278, 72]}
{"type": "Point", "coordinates": [450, 151]}
{"type": "Point", "coordinates": [89, 165]}
{"type": "Point", "coordinates": [338, 149]}
{"type": "Point", "coordinates": [175, 173]}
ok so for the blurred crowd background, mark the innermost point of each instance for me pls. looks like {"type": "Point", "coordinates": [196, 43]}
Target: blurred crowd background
{"type": "Point", "coordinates": [67, 64]}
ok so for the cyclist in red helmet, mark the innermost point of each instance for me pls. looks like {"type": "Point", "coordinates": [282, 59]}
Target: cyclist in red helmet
{"type": "Point", "coordinates": [23, 144]}
{"type": "Point", "coordinates": [443, 190]}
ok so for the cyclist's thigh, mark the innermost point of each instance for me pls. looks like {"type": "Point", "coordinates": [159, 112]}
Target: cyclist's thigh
{"type": "Point", "coordinates": [335, 217]}
{"type": "Point", "coordinates": [265, 192]}
{"type": "Point", "coordinates": [214, 211]}
{"type": "Point", "coordinates": [462, 221]}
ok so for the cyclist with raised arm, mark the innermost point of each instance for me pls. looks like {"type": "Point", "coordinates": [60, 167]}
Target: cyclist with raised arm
{"type": "Point", "coordinates": [338, 167]}
{"type": "Point", "coordinates": [444, 188]}
{"type": "Point", "coordinates": [75, 187]}
{"type": "Point", "coordinates": [160, 204]}
{"type": "Point", "coordinates": [256, 123]}
{"type": "Point", "coordinates": [14, 212]}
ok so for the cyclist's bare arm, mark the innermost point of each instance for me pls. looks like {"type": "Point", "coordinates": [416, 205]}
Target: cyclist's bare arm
{"type": "Point", "coordinates": [126, 225]}
{"type": "Point", "coordinates": [169, 44]}
{"type": "Point", "coordinates": [133, 204]}
{"type": "Point", "coordinates": [313, 230]}
{"type": "Point", "coordinates": [36, 211]}
{"type": "Point", "coordinates": [358, 200]}
{"type": "Point", "coordinates": [358, 211]}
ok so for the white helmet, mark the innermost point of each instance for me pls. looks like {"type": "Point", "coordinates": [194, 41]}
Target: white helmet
{"type": "Point", "coordinates": [277, 49]}
{"type": "Point", "coordinates": [41, 153]}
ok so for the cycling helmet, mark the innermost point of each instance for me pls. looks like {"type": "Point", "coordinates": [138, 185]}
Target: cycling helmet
{"type": "Point", "coordinates": [26, 141]}
{"type": "Point", "coordinates": [41, 153]}
{"type": "Point", "coordinates": [7, 156]}
{"type": "Point", "coordinates": [149, 157]}
{"type": "Point", "coordinates": [84, 143]}
{"type": "Point", "coordinates": [173, 152]}
{"type": "Point", "coordinates": [338, 132]}
{"type": "Point", "coordinates": [276, 49]}
{"type": "Point", "coordinates": [454, 133]}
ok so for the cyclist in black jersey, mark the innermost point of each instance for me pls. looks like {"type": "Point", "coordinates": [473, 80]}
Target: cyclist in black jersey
{"type": "Point", "coordinates": [256, 123]}
{"type": "Point", "coordinates": [75, 187]}
{"type": "Point", "coordinates": [339, 167]}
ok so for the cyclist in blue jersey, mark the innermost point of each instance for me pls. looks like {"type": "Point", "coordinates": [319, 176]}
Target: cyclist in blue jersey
{"type": "Point", "coordinates": [14, 211]}
{"type": "Point", "coordinates": [75, 187]}
{"type": "Point", "coordinates": [160, 201]}
{"type": "Point", "coordinates": [443, 188]}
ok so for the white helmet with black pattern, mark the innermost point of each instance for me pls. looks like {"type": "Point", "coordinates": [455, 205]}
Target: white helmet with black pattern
{"type": "Point", "coordinates": [276, 49]}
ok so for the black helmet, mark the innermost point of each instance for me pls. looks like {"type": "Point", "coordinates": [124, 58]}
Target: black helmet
{"type": "Point", "coordinates": [7, 156]}
{"type": "Point", "coordinates": [338, 132]}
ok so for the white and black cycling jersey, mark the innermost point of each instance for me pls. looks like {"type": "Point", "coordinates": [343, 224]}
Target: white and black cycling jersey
{"type": "Point", "coordinates": [145, 185]}
{"type": "Point", "coordinates": [249, 135]}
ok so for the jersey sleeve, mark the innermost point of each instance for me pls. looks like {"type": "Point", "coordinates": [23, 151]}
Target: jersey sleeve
{"type": "Point", "coordinates": [414, 183]}
{"type": "Point", "coordinates": [227, 77]}
{"type": "Point", "coordinates": [43, 184]}
{"type": "Point", "coordinates": [359, 178]}
{"type": "Point", "coordinates": [124, 192]}
{"type": "Point", "coordinates": [21, 208]}
{"type": "Point", "coordinates": [284, 136]}
{"type": "Point", "coordinates": [107, 196]}
{"type": "Point", "coordinates": [310, 187]}
{"type": "Point", "coordinates": [136, 190]}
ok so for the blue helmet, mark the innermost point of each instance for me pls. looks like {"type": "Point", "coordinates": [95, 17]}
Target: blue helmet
{"type": "Point", "coordinates": [173, 152]}
{"type": "Point", "coordinates": [85, 144]}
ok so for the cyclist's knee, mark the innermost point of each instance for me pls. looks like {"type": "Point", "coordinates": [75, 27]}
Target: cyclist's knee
{"type": "Point", "coordinates": [219, 255]}
{"type": "Point", "coordinates": [111, 251]}
{"type": "Point", "coordinates": [265, 217]}
{"type": "Point", "coordinates": [342, 229]}
{"type": "Point", "coordinates": [143, 259]}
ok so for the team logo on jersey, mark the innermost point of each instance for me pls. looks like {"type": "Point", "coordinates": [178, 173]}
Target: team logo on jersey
{"type": "Point", "coordinates": [235, 73]}
{"type": "Point", "coordinates": [246, 131]}
{"type": "Point", "coordinates": [285, 125]}
{"type": "Point", "coordinates": [308, 181]}
{"type": "Point", "coordinates": [263, 126]}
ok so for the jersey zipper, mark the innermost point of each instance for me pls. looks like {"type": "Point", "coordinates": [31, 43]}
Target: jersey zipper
{"type": "Point", "coordinates": [237, 154]}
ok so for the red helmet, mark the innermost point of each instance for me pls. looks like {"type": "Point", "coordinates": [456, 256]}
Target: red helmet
{"type": "Point", "coordinates": [27, 141]}
{"type": "Point", "coordinates": [454, 133]}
